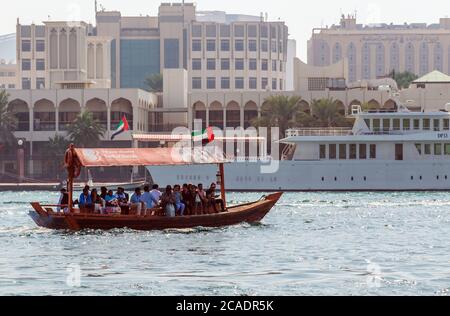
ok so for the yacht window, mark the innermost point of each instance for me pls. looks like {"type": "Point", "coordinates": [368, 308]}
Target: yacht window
{"type": "Point", "coordinates": [447, 149]}
{"type": "Point", "coordinates": [373, 151]}
{"type": "Point", "coordinates": [342, 151]}
{"type": "Point", "coordinates": [362, 151]}
{"type": "Point", "coordinates": [419, 148]}
{"type": "Point", "coordinates": [332, 151]}
{"type": "Point", "coordinates": [426, 124]}
{"type": "Point", "coordinates": [437, 125]}
{"type": "Point", "coordinates": [438, 149]}
{"type": "Point", "coordinates": [323, 152]}
{"type": "Point", "coordinates": [406, 124]}
{"type": "Point", "coordinates": [416, 124]}
{"type": "Point", "coordinates": [367, 123]}
{"type": "Point", "coordinates": [396, 124]}
{"type": "Point", "coordinates": [386, 125]}
{"type": "Point", "coordinates": [427, 149]}
{"type": "Point", "coordinates": [376, 125]}
{"type": "Point", "coordinates": [446, 124]}
{"type": "Point", "coordinates": [352, 151]}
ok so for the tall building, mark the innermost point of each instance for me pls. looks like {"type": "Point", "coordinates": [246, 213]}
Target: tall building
{"type": "Point", "coordinates": [374, 51]}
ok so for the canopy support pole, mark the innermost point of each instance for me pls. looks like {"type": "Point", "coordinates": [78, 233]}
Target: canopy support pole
{"type": "Point", "coordinates": [70, 191]}
{"type": "Point", "coordinates": [222, 185]}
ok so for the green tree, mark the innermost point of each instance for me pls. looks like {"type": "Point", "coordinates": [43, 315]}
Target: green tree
{"type": "Point", "coordinates": [85, 131]}
{"type": "Point", "coordinates": [327, 113]}
{"type": "Point", "coordinates": [279, 111]}
{"type": "Point", "coordinates": [55, 149]}
{"type": "Point", "coordinates": [8, 122]}
{"type": "Point", "coordinates": [403, 79]}
{"type": "Point", "coordinates": [155, 83]}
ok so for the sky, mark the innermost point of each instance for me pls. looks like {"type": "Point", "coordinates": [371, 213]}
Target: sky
{"type": "Point", "coordinates": [300, 16]}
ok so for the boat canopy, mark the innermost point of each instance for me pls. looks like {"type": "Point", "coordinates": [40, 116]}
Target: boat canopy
{"type": "Point", "coordinates": [134, 157]}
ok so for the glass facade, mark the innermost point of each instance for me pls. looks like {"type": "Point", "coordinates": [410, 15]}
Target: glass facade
{"type": "Point", "coordinates": [139, 59]}
{"type": "Point", "coordinates": [171, 53]}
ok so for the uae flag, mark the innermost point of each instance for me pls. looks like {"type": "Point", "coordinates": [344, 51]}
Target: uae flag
{"type": "Point", "coordinates": [123, 127]}
{"type": "Point", "coordinates": [206, 136]}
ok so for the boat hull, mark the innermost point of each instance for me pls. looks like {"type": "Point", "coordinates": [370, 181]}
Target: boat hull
{"type": "Point", "coordinates": [248, 213]}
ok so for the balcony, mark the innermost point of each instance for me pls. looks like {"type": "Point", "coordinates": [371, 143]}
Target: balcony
{"type": "Point", "coordinates": [44, 126]}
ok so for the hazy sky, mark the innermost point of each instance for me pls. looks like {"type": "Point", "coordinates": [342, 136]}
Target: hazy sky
{"type": "Point", "coordinates": [300, 16]}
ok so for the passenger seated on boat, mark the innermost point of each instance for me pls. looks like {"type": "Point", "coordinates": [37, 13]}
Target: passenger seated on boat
{"type": "Point", "coordinates": [213, 199]}
{"type": "Point", "coordinates": [179, 205]}
{"type": "Point", "coordinates": [188, 200]}
{"type": "Point", "coordinates": [149, 200]}
{"type": "Point", "coordinates": [122, 197]}
{"type": "Point", "coordinates": [97, 202]}
{"type": "Point", "coordinates": [204, 201]}
{"type": "Point", "coordinates": [103, 192]}
{"type": "Point", "coordinates": [136, 202]}
{"type": "Point", "coordinates": [168, 200]}
{"type": "Point", "coordinates": [85, 201]}
{"type": "Point", "coordinates": [63, 201]}
{"type": "Point", "coordinates": [155, 192]}
{"type": "Point", "coordinates": [111, 199]}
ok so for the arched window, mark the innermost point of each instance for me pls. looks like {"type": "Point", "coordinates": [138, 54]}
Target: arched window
{"type": "Point", "coordinates": [63, 49]}
{"type": "Point", "coordinates": [351, 55]}
{"type": "Point", "coordinates": [424, 59]}
{"type": "Point", "coordinates": [323, 56]}
{"type": "Point", "coordinates": [337, 53]}
{"type": "Point", "coordinates": [73, 49]}
{"type": "Point", "coordinates": [365, 60]}
{"type": "Point", "coordinates": [394, 64]}
{"type": "Point", "coordinates": [99, 61]}
{"type": "Point", "coordinates": [410, 58]}
{"type": "Point", "coordinates": [380, 61]}
{"type": "Point", "coordinates": [438, 57]}
{"type": "Point", "coordinates": [53, 49]}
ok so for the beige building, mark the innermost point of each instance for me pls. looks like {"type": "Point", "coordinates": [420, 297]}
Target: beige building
{"type": "Point", "coordinates": [374, 51]}
{"type": "Point", "coordinates": [8, 78]}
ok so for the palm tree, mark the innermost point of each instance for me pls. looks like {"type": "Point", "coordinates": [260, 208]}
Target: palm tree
{"type": "Point", "coordinates": [279, 111]}
{"type": "Point", "coordinates": [54, 150]}
{"type": "Point", "coordinates": [326, 113]}
{"type": "Point", "coordinates": [403, 79]}
{"type": "Point", "coordinates": [155, 83]}
{"type": "Point", "coordinates": [85, 131]}
{"type": "Point", "coordinates": [8, 122]}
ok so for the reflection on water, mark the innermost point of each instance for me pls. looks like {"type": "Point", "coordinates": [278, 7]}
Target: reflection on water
{"type": "Point", "coordinates": [311, 243]}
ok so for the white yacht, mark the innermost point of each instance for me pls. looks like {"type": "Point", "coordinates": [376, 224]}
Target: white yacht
{"type": "Point", "coordinates": [384, 151]}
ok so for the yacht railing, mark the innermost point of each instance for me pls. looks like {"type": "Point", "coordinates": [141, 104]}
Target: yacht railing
{"type": "Point", "coordinates": [319, 132]}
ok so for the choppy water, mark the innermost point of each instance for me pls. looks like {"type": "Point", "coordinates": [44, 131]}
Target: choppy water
{"type": "Point", "coordinates": [311, 244]}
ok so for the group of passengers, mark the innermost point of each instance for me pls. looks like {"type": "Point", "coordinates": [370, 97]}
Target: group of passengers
{"type": "Point", "coordinates": [187, 200]}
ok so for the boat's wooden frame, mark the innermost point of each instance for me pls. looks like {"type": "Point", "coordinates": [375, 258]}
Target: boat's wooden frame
{"type": "Point", "coordinates": [45, 216]}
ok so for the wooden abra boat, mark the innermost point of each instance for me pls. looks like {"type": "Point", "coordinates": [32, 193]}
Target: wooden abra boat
{"type": "Point", "coordinates": [75, 220]}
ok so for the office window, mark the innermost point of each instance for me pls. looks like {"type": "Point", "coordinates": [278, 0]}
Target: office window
{"type": "Point", "coordinates": [264, 46]}
{"type": "Point", "coordinates": [40, 64]}
{"type": "Point", "coordinates": [196, 64]}
{"type": "Point", "coordinates": [252, 31]}
{"type": "Point", "coordinates": [352, 151]}
{"type": "Point", "coordinates": [386, 125]}
{"type": "Point", "coordinates": [396, 123]}
{"type": "Point", "coordinates": [342, 151]}
{"type": "Point", "coordinates": [437, 125]}
{"type": "Point", "coordinates": [211, 83]}
{"type": "Point", "coordinates": [362, 151]}
{"type": "Point", "coordinates": [26, 46]}
{"type": "Point", "coordinates": [239, 83]}
{"type": "Point", "coordinates": [373, 151]}
{"type": "Point", "coordinates": [264, 65]}
{"type": "Point", "coordinates": [264, 31]}
{"type": "Point", "coordinates": [239, 64]}
{"type": "Point", "coordinates": [40, 45]}
{"type": "Point", "coordinates": [419, 148]}
{"type": "Point", "coordinates": [323, 152]}
{"type": "Point", "coordinates": [225, 31]}
{"type": "Point", "coordinates": [332, 151]}
{"type": "Point", "coordinates": [253, 64]}
{"type": "Point", "coordinates": [239, 31]}
{"type": "Point", "coordinates": [196, 83]}
{"type": "Point", "coordinates": [211, 31]}
{"type": "Point", "coordinates": [171, 53]}
{"type": "Point", "coordinates": [438, 149]}
{"type": "Point", "coordinates": [274, 65]}
{"type": "Point", "coordinates": [252, 45]}
{"type": "Point", "coordinates": [281, 84]}
{"type": "Point", "coordinates": [225, 83]}
{"type": "Point", "coordinates": [274, 46]}
{"type": "Point", "coordinates": [211, 45]}
{"type": "Point", "coordinates": [427, 149]}
{"type": "Point", "coordinates": [196, 31]}
{"type": "Point", "coordinates": [196, 45]}
{"type": "Point", "coordinates": [40, 83]}
{"type": "Point", "coordinates": [225, 45]}
{"type": "Point", "coordinates": [264, 83]}
{"type": "Point", "coordinates": [211, 64]}
{"type": "Point", "coordinates": [26, 83]}
{"type": "Point", "coordinates": [26, 64]}
{"type": "Point", "coordinates": [253, 83]}
{"type": "Point", "coordinates": [225, 64]}
{"type": "Point", "coordinates": [239, 45]}
{"type": "Point", "coordinates": [274, 84]}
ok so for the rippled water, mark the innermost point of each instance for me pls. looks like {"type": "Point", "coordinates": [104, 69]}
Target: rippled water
{"type": "Point", "coordinates": [311, 244]}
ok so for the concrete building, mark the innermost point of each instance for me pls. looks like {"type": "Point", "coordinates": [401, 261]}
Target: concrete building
{"type": "Point", "coordinates": [374, 51]}
{"type": "Point", "coordinates": [8, 75]}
